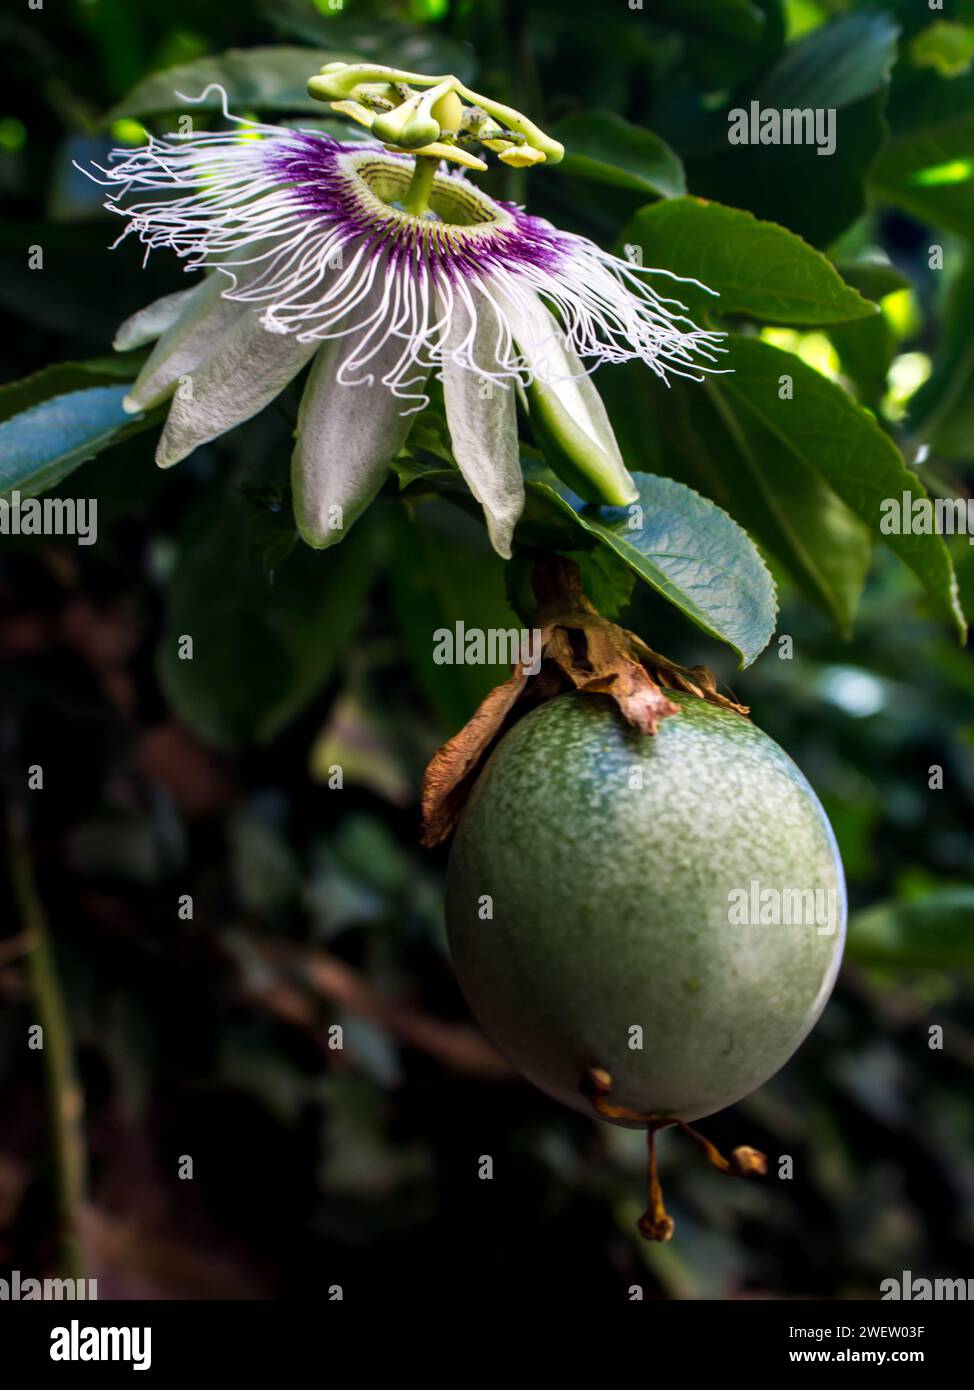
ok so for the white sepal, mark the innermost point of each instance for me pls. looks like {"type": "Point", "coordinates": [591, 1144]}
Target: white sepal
{"type": "Point", "coordinates": [150, 323]}
{"type": "Point", "coordinates": [186, 344]}
{"type": "Point", "coordinates": [346, 436]}
{"type": "Point", "coordinates": [247, 369]}
{"type": "Point", "coordinates": [482, 415]}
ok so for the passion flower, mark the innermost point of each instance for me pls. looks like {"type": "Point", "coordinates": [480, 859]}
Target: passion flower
{"type": "Point", "coordinates": [386, 271]}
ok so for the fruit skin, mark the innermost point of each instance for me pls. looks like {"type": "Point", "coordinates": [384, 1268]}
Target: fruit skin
{"type": "Point", "coordinates": [610, 904]}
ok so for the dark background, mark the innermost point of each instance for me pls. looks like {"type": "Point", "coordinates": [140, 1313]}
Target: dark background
{"type": "Point", "coordinates": [312, 906]}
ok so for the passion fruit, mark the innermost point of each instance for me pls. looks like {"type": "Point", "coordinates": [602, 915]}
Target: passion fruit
{"type": "Point", "coordinates": [664, 912]}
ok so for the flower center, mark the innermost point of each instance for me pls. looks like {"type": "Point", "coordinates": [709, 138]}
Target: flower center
{"type": "Point", "coordinates": [433, 116]}
{"type": "Point", "coordinates": [384, 183]}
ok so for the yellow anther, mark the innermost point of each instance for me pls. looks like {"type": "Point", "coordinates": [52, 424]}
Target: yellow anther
{"type": "Point", "coordinates": [521, 156]}
{"type": "Point", "coordinates": [448, 112]}
{"type": "Point", "coordinates": [454, 153]}
{"type": "Point", "coordinates": [356, 110]}
{"type": "Point", "coordinates": [416, 120]}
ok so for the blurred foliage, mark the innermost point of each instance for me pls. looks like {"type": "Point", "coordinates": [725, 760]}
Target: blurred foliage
{"type": "Point", "coordinates": [312, 905]}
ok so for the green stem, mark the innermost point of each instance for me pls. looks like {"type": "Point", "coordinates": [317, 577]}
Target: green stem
{"type": "Point", "coordinates": [64, 1096]}
{"type": "Point", "coordinates": [417, 195]}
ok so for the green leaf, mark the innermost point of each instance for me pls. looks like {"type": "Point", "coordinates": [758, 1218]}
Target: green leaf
{"type": "Point", "coordinates": [60, 417]}
{"type": "Point", "coordinates": [261, 79]}
{"type": "Point", "coordinates": [942, 411]}
{"type": "Point", "coordinates": [866, 350]}
{"type": "Point", "coordinates": [700, 436]}
{"type": "Point", "coordinates": [678, 542]}
{"type": "Point", "coordinates": [604, 148]}
{"type": "Point", "coordinates": [786, 504]}
{"type": "Point", "coordinates": [947, 47]}
{"type": "Point", "coordinates": [867, 347]}
{"type": "Point", "coordinates": [843, 66]}
{"type": "Point", "coordinates": [935, 932]}
{"type": "Point", "coordinates": [689, 551]}
{"type": "Point", "coordinates": [837, 65]}
{"type": "Point", "coordinates": [56, 380]}
{"type": "Point", "coordinates": [873, 279]}
{"type": "Point", "coordinates": [608, 581]}
{"type": "Point", "coordinates": [927, 167]}
{"type": "Point", "coordinates": [263, 645]}
{"type": "Point", "coordinates": [824, 428]}
{"type": "Point", "coordinates": [758, 268]}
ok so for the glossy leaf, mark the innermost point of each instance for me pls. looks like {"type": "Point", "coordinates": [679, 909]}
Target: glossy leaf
{"type": "Point", "coordinates": [824, 428]}
{"type": "Point", "coordinates": [690, 552]}
{"type": "Point", "coordinates": [698, 435]}
{"type": "Point", "coordinates": [56, 420]}
{"type": "Point", "coordinates": [681, 544]}
{"type": "Point", "coordinates": [757, 268]}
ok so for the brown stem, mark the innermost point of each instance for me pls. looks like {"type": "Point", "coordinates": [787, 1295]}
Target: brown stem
{"type": "Point", "coordinates": [65, 1101]}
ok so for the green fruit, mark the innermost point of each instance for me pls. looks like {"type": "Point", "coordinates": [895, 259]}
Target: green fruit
{"type": "Point", "coordinates": [595, 888]}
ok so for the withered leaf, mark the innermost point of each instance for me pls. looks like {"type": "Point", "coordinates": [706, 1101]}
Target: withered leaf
{"type": "Point", "coordinates": [444, 789]}
{"type": "Point", "coordinates": [580, 650]}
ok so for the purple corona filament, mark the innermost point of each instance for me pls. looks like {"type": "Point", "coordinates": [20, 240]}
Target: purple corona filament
{"type": "Point", "coordinates": [308, 228]}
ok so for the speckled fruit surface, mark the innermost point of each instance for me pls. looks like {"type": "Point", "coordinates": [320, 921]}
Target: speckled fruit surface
{"type": "Point", "coordinates": [614, 864]}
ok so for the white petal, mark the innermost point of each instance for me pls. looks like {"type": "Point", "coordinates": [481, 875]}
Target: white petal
{"type": "Point", "coordinates": [482, 415]}
{"type": "Point", "coordinates": [248, 369]}
{"type": "Point", "coordinates": [567, 410]}
{"type": "Point", "coordinates": [187, 343]}
{"type": "Point", "coordinates": [152, 321]}
{"type": "Point", "coordinates": [346, 436]}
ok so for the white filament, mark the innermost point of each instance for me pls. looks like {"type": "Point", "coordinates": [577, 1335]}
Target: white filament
{"type": "Point", "coordinates": [214, 199]}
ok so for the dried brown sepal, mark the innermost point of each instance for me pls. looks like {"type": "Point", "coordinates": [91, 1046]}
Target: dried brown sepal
{"type": "Point", "coordinates": [747, 1162]}
{"type": "Point", "coordinates": [744, 1162]}
{"type": "Point", "coordinates": [655, 1223]}
{"type": "Point", "coordinates": [448, 775]}
{"type": "Point", "coordinates": [580, 650]}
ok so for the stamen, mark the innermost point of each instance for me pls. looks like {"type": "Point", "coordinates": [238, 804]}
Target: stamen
{"type": "Point", "coordinates": [307, 228]}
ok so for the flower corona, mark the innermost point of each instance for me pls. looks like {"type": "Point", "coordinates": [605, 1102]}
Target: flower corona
{"type": "Point", "coordinates": [388, 272]}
